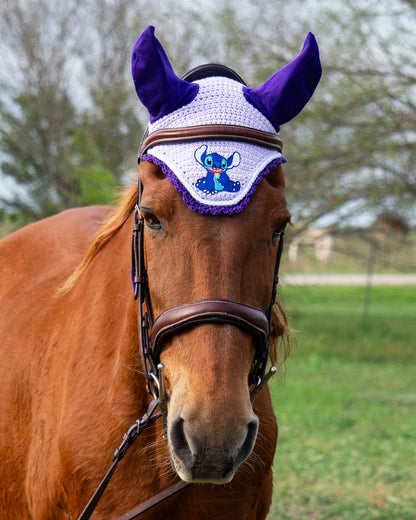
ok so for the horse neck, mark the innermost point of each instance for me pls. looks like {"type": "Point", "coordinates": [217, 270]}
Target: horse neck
{"type": "Point", "coordinates": [106, 289]}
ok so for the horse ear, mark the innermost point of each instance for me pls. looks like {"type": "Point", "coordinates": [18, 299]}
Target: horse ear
{"type": "Point", "coordinates": [159, 89]}
{"type": "Point", "coordinates": [284, 95]}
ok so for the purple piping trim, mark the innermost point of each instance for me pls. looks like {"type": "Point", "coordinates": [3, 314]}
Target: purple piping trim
{"type": "Point", "coordinates": [205, 209]}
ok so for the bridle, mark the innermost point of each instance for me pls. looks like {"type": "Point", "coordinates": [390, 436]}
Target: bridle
{"type": "Point", "coordinates": [153, 332]}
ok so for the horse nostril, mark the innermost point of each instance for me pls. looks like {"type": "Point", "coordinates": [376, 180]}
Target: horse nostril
{"type": "Point", "coordinates": [200, 457]}
{"type": "Point", "coordinates": [179, 441]}
{"type": "Point", "coordinates": [247, 446]}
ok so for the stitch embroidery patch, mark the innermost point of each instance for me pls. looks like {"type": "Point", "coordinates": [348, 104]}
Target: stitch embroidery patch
{"type": "Point", "coordinates": [216, 179]}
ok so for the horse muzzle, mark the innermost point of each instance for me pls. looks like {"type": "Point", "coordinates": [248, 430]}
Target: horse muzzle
{"type": "Point", "coordinates": [202, 454]}
{"type": "Point", "coordinates": [209, 440]}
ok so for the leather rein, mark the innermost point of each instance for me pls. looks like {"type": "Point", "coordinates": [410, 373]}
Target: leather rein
{"type": "Point", "coordinates": [153, 332]}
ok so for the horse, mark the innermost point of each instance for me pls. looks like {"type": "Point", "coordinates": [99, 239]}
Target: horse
{"type": "Point", "coordinates": [73, 376]}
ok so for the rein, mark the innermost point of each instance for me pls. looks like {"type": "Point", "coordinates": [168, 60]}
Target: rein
{"type": "Point", "coordinates": [152, 331]}
{"type": "Point", "coordinates": [129, 437]}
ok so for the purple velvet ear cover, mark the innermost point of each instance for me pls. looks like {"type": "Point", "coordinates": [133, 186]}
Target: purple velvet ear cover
{"type": "Point", "coordinates": [159, 89]}
{"type": "Point", "coordinates": [284, 95]}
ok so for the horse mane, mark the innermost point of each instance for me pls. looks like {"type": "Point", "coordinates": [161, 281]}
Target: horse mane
{"type": "Point", "coordinates": [118, 216]}
{"type": "Point", "coordinates": [281, 336]}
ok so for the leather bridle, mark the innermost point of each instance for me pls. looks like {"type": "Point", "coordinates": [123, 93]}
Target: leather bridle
{"type": "Point", "coordinates": [152, 332]}
{"type": "Point", "coordinates": [172, 321]}
{"type": "Point", "coordinates": [227, 312]}
{"type": "Point", "coordinates": [210, 132]}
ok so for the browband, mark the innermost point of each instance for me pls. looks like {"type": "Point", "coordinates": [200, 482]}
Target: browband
{"type": "Point", "coordinates": [216, 132]}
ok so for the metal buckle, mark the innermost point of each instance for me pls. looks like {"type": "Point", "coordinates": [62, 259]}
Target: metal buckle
{"type": "Point", "coordinates": [262, 383]}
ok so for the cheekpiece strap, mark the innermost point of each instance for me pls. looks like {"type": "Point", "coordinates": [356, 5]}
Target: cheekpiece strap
{"type": "Point", "coordinates": [217, 132]}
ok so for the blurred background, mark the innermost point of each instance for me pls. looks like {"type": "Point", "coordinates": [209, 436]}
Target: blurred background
{"type": "Point", "coordinates": [70, 125]}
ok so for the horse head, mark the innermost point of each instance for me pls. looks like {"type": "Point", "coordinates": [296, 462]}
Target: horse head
{"type": "Point", "coordinates": [192, 257]}
{"type": "Point", "coordinates": [213, 236]}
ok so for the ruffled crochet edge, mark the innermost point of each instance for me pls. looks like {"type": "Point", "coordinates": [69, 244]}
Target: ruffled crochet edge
{"type": "Point", "coordinates": [206, 209]}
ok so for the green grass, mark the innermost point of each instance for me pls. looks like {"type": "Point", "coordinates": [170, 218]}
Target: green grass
{"type": "Point", "coordinates": [347, 407]}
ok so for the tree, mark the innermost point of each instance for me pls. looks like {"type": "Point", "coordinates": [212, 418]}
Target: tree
{"type": "Point", "coordinates": [37, 115]}
{"type": "Point", "coordinates": [70, 119]}
{"type": "Point", "coordinates": [372, 93]}
{"type": "Point", "coordinates": [67, 118]}
{"type": "Point", "coordinates": [352, 150]}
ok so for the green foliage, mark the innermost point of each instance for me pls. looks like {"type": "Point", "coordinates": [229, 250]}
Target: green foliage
{"type": "Point", "coordinates": [355, 140]}
{"type": "Point", "coordinates": [10, 223]}
{"type": "Point", "coordinates": [62, 145]}
{"type": "Point", "coordinates": [346, 408]}
{"type": "Point", "coordinates": [96, 185]}
{"type": "Point", "coordinates": [57, 162]}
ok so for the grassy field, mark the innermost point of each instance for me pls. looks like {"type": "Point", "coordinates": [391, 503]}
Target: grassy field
{"type": "Point", "coordinates": [347, 407]}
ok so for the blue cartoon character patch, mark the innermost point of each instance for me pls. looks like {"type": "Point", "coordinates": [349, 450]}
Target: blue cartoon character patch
{"type": "Point", "coordinates": [216, 179]}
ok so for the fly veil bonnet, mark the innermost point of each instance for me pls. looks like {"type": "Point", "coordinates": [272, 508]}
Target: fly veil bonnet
{"type": "Point", "coordinates": [214, 137]}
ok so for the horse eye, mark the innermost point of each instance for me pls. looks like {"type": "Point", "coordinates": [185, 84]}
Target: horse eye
{"type": "Point", "coordinates": [279, 231]}
{"type": "Point", "coordinates": [152, 222]}
{"type": "Point", "coordinates": [276, 235]}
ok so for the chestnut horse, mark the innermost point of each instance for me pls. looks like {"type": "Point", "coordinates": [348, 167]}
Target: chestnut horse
{"type": "Point", "coordinates": [71, 375]}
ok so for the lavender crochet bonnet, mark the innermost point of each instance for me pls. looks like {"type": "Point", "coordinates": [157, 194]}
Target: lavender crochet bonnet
{"type": "Point", "coordinates": [218, 176]}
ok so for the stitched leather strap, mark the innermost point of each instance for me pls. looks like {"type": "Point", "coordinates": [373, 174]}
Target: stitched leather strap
{"type": "Point", "coordinates": [219, 132]}
{"type": "Point", "coordinates": [209, 311]}
{"type": "Point", "coordinates": [129, 437]}
{"type": "Point", "coordinates": [151, 502]}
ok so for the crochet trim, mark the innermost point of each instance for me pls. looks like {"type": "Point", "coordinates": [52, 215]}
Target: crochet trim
{"type": "Point", "coordinates": [205, 208]}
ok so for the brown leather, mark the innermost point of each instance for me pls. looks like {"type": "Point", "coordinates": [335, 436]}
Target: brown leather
{"type": "Point", "coordinates": [157, 499]}
{"type": "Point", "coordinates": [209, 311]}
{"type": "Point", "coordinates": [219, 132]}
